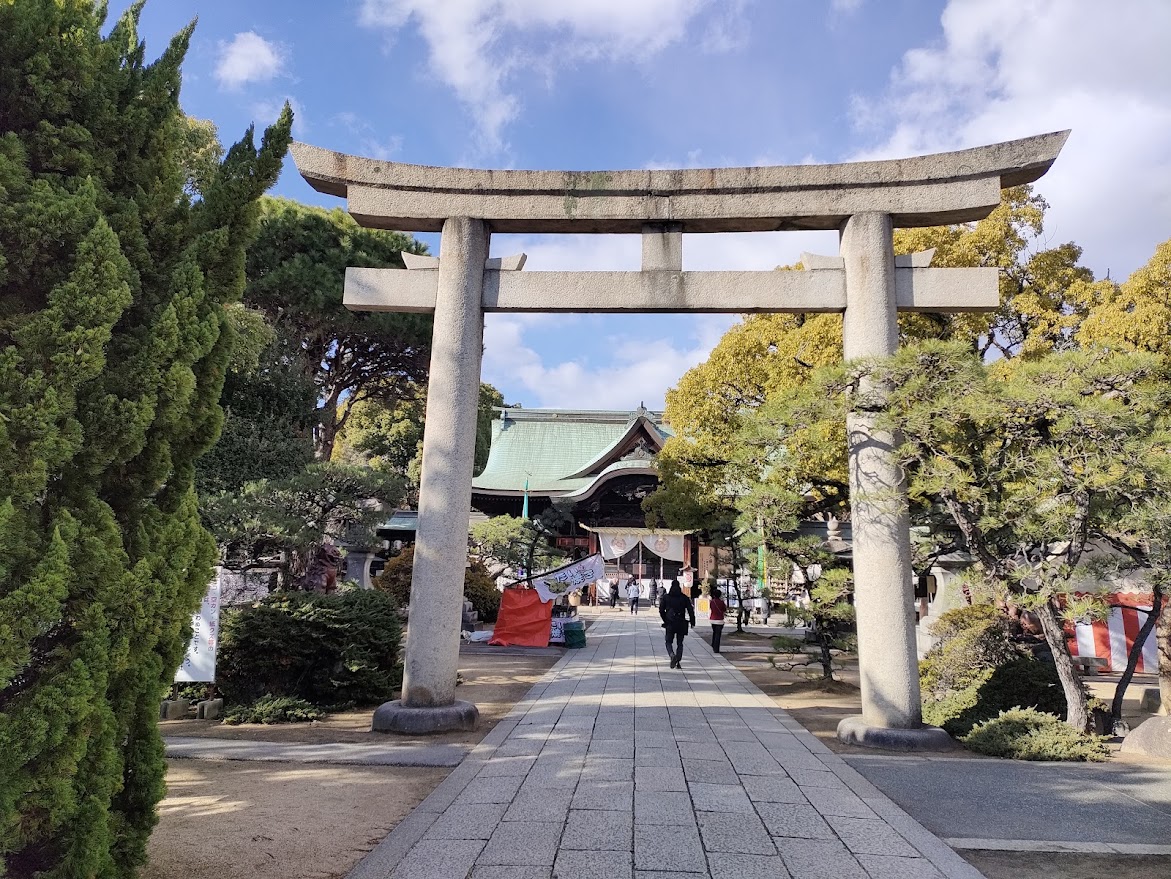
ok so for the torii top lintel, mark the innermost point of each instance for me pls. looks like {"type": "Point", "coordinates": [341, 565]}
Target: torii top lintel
{"type": "Point", "coordinates": [929, 190]}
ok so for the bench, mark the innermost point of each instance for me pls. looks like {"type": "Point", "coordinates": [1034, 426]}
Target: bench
{"type": "Point", "coordinates": [1090, 665]}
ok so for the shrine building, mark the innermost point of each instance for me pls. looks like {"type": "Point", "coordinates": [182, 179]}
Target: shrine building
{"type": "Point", "coordinates": [598, 467]}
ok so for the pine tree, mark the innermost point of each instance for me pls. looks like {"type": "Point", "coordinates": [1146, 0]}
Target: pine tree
{"type": "Point", "coordinates": [113, 348]}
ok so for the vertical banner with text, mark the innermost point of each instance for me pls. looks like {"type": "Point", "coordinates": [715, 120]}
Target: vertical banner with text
{"type": "Point", "coordinates": [199, 663]}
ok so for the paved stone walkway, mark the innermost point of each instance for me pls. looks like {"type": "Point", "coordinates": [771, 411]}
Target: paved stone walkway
{"type": "Point", "coordinates": [615, 766]}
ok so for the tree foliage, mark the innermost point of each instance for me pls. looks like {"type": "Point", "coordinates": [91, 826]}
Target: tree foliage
{"type": "Point", "coordinates": [389, 436]}
{"type": "Point", "coordinates": [1040, 464]}
{"type": "Point", "coordinates": [296, 271]}
{"type": "Point", "coordinates": [114, 340]}
{"type": "Point", "coordinates": [269, 411]}
{"type": "Point", "coordinates": [772, 357]}
{"type": "Point", "coordinates": [515, 545]}
{"type": "Point", "coordinates": [283, 521]}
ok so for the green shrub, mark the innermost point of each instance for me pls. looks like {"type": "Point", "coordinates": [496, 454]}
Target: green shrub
{"type": "Point", "coordinates": [482, 592]}
{"type": "Point", "coordinates": [975, 672]}
{"type": "Point", "coordinates": [395, 578]}
{"type": "Point", "coordinates": [847, 643]}
{"type": "Point", "coordinates": [972, 640]}
{"type": "Point", "coordinates": [1022, 683]}
{"type": "Point", "coordinates": [785, 644]}
{"type": "Point", "coordinates": [1028, 734]}
{"type": "Point", "coordinates": [330, 650]}
{"type": "Point", "coordinates": [395, 581]}
{"type": "Point", "coordinates": [275, 709]}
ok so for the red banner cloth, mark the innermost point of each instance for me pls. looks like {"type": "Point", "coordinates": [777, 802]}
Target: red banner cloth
{"type": "Point", "coordinates": [524, 620]}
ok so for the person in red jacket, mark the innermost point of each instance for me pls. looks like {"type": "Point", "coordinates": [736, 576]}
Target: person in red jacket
{"type": "Point", "coordinates": [716, 617]}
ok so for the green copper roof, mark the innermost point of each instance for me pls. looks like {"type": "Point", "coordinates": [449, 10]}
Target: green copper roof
{"type": "Point", "coordinates": [552, 449]}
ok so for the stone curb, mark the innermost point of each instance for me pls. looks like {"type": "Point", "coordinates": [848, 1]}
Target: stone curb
{"type": "Point", "coordinates": [342, 753]}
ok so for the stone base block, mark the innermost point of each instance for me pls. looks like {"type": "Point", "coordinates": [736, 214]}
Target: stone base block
{"type": "Point", "coordinates": [209, 709]}
{"type": "Point", "coordinates": [173, 709]}
{"type": "Point", "coordinates": [855, 731]}
{"type": "Point", "coordinates": [1151, 700]}
{"type": "Point", "coordinates": [1151, 738]}
{"type": "Point", "coordinates": [395, 717]}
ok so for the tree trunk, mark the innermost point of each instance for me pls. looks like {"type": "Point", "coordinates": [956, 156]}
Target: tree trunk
{"type": "Point", "coordinates": [325, 436]}
{"type": "Point", "coordinates": [1163, 638]}
{"type": "Point", "coordinates": [1136, 650]}
{"type": "Point", "coordinates": [1077, 712]}
{"type": "Point", "coordinates": [827, 660]}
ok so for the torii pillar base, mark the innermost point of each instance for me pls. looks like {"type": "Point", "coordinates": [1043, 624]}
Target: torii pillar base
{"type": "Point", "coordinates": [855, 730]}
{"type": "Point", "coordinates": [395, 717]}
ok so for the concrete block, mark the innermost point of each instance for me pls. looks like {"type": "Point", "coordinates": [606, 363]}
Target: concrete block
{"type": "Point", "coordinates": [173, 709]}
{"type": "Point", "coordinates": [209, 709]}
{"type": "Point", "coordinates": [1151, 700]}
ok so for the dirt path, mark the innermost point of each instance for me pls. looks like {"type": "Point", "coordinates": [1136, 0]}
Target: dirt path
{"type": "Point", "coordinates": [240, 820]}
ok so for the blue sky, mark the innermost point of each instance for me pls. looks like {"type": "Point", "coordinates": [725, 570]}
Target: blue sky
{"type": "Point", "coordinates": [601, 84]}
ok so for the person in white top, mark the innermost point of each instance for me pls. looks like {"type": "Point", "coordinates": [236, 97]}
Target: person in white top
{"type": "Point", "coordinates": [634, 592]}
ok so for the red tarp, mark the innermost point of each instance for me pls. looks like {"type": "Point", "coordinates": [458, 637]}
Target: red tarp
{"type": "Point", "coordinates": [524, 620]}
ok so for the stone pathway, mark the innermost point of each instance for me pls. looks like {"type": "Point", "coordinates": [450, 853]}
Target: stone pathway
{"type": "Point", "coordinates": [618, 767]}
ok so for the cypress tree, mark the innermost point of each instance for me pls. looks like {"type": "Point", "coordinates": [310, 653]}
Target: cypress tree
{"type": "Point", "coordinates": [113, 348]}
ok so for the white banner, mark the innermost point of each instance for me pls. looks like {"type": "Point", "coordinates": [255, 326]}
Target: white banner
{"type": "Point", "coordinates": [199, 663]}
{"type": "Point", "coordinates": [572, 577]}
{"type": "Point", "coordinates": [616, 544]}
{"type": "Point", "coordinates": [668, 546]}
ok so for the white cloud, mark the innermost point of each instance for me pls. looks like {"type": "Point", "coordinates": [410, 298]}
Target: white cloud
{"type": "Point", "coordinates": [478, 46]}
{"type": "Point", "coordinates": [366, 137]}
{"type": "Point", "coordinates": [248, 58]}
{"type": "Point", "coordinates": [1011, 68]}
{"type": "Point", "coordinates": [635, 367]}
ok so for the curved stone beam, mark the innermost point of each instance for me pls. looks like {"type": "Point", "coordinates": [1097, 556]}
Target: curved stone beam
{"type": "Point", "coordinates": [922, 191]}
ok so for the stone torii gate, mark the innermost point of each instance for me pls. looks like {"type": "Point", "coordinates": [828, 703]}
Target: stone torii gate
{"type": "Point", "coordinates": [865, 201]}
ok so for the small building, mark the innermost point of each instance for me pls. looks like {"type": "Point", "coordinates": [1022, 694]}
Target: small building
{"type": "Point", "coordinates": [597, 466]}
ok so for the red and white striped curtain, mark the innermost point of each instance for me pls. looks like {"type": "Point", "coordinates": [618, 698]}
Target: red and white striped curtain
{"type": "Point", "coordinates": [1112, 638]}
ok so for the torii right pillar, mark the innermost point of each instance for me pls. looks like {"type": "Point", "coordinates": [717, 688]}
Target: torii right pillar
{"type": "Point", "coordinates": [892, 715]}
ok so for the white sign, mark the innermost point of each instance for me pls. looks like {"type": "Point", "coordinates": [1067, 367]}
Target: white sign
{"type": "Point", "coordinates": [570, 578]}
{"type": "Point", "coordinates": [557, 630]}
{"type": "Point", "coordinates": [199, 663]}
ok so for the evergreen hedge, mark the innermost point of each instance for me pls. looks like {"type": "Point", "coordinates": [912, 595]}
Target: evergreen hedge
{"type": "Point", "coordinates": [1028, 734]}
{"type": "Point", "coordinates": [113, 347]}
{"type": "Point", "coordinates": [330, 650]}
{"type": "Point", "coordinates": [975, 672]}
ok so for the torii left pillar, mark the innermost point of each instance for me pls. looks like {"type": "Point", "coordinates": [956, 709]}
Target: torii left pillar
{"type": "Point", "coordinates": [428, 702]}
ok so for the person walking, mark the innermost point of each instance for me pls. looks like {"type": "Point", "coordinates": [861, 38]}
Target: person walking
{"type": "Point", "coordinates": [676, 610]}
{"type": "Point", "coordinates": [716, 617]}
{"type": "Point", "coordinates": [634, 594]}
{"type": "Point", "coordinates": [613, 584]}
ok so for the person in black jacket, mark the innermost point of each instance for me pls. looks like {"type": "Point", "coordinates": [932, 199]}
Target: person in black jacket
{"type": "Point", "coordinates": [676, 610]}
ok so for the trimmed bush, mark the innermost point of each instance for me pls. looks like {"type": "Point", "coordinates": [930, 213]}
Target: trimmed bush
{"type": "Point", "coordinates": [972, 641]}
{"type": "Point", "coordinates": [395, 578]}
{"type": "Point", "coordinates": [482, 592]}
{"type": "Point", "coordinates": [395, 581]}
{"type": "Point", "coordinates": [1022, 683]}
{"type": "Point", "coordinates": [975, 672]}
{"type": "Point", "coordinates": [330, 650]}
{"type": "Point", "coordinates": [275, 709]}
{"type": "Point", "coordinates": [785, 644]}
{"type": "Point", "coordinates": [1027, 734]}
